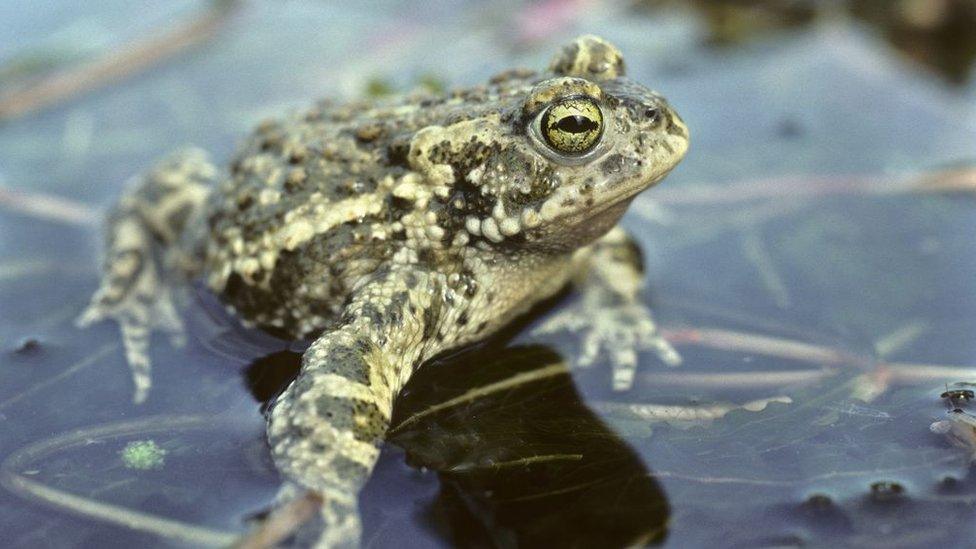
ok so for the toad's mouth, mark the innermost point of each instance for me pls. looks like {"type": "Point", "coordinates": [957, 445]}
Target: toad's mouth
{"type": "Point", "coordinates": [609, 204]}
{"type": "Point", "coordinates": [614, 208]}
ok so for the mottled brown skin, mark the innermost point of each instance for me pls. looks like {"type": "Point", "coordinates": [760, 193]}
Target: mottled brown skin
{"type": "Point", "coordinates": [392, 231]}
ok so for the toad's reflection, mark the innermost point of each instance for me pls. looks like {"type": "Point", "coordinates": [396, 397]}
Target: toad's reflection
{"type": "Point", "coordinates": [510, 435]}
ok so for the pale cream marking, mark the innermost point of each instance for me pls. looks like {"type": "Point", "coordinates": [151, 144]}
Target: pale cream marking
{"type": "Point", "coordinates": [337, 386]}
{"type": "Point", "coordinates": [316, 217]}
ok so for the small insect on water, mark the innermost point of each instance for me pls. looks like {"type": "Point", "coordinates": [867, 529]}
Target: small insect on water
{"type": "Point", "coordinates": [956, 396]}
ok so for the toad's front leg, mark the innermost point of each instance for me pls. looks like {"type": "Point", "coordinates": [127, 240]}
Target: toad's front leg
{"type": "Point", "coordinates": [326, 428]}
{"type": "Point", "coordinates": [611, 318]}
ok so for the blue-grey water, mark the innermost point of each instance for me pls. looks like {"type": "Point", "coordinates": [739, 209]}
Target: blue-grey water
{"type": "Point", "coordinates": [793, 257]}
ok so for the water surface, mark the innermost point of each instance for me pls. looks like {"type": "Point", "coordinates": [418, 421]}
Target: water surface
{"type": "Point", "coordinates": [822, 298]}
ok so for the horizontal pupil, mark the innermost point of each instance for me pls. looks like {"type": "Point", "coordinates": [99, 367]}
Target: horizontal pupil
{"type": "Point", "coordinates": [577, 124]}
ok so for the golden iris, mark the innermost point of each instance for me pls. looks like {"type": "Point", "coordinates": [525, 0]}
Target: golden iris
{"type": "Point", "coordinates": [572, 126]}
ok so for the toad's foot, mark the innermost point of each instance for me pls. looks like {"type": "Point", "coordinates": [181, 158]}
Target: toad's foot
{"type": "Point", "coordinates": [132, 296]}
{"type": "Point", "coordinates": [610, 316]}
{"type": "Point", "coordinates": [147, 255]}
{"type": "Point", "coordinates": [619, 332]}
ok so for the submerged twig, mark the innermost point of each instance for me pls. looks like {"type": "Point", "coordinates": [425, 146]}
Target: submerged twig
{"type": "Point", "coordinates": [12, 479]}
{"type": "Point", "coordinates": [894, 341]}
{"type": "Point", "coordinates": [833, 475]}
{"type": "Point", "coordinates": [755, 251]}
{"type": "Point", "coordinates": [941, 181]}
{"type": "Point", "coordinates": [751, 380]}
{"type": "Point", "coordinates": [15, 269]}
{"type": "Point", "coordinates": [728, 340]}
{"type": "Point", "coordinates": [120, 515]}
{"type": "Point", "coordinates": [133, 58]}
{"type": "Point", "coordinates": [908, 372]}
{"type": "Point", "coordinates": [282, 523]}
{"type": "Point", "coordinates": [878, 374]}
{"type": "Point", "coordinates": [545, 372]}
{"type": "Point", "coordinates": [684, 414]}
{"type": "Point", "coordinates": [47, 207]}
{"type": "Point", "coordinates": [86, 362]}
{"type": "Point", "coordinates": [955, 180]}
{"type": "Point", "coordinates": [515, 463]}
{"type": "Point", "coordinates": [885, 374]}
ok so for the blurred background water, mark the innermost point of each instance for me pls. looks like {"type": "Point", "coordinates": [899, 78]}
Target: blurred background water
{"type": "Point", "coordinates": [812, 259]}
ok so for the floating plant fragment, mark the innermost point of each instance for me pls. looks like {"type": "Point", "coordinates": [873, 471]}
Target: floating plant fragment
{"type": "Point", "coordinates": [143, 455]}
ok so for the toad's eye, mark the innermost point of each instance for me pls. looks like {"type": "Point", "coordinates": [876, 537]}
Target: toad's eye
{"type": "Point", "coordinates": [572, 126]}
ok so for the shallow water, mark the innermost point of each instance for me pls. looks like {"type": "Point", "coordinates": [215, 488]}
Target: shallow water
{"type": "Point", "coordinates": [788, 259]}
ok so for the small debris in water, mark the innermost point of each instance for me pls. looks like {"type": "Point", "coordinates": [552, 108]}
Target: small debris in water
{"type": "Point", "coordinates": [819, 502]}
{"type": "Point", "coordinates": [789, 128]}
{"type": "Point", "coordinates": [958, 394]}
{"type": "Point", "coordinates": [28, 346]}
{"type": "Point", "coordinates": [143, 455]}
{"type": "Point", "coordinates": [684, 414]}
{"type": "Point", "coordinates": [886, 491]}
{"type": "Point", "coordinates": [949, 482]}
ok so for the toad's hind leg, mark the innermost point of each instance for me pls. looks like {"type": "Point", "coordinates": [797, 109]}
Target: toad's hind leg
{"type": "Point", "coordinates": [146, 251]}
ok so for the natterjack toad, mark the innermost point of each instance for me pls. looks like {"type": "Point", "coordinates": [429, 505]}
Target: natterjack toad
{"type": "Point", "coordinates": [391, 231]}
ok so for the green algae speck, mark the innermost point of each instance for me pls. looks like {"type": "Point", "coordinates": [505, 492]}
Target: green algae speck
{"type": "Point", "coordinates": [143, 455]}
